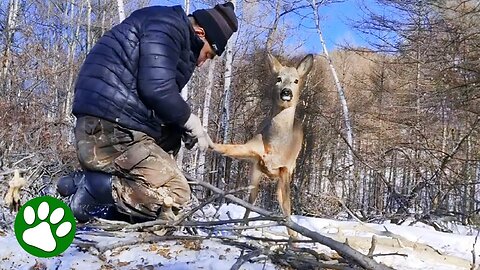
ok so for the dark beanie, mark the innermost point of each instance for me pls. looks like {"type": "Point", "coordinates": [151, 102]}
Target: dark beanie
{"type": "Point", "coordinates": [219, 24]}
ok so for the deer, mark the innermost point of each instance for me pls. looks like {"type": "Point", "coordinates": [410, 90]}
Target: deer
{"type": "Point", "coordinates": [274, 150]}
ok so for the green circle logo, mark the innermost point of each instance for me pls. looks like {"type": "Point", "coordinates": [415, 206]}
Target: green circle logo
{"type": "Point", "coordinates": [45, 227]}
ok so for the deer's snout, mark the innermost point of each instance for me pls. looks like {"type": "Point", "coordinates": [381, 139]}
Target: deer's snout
{"type": "Point", "coordinates": [286, 94]}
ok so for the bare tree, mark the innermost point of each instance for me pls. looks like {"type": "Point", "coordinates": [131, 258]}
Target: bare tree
{"type": "Point", "coordinates": [9, 32]}
{"type": "Point", "coordinates": [347, 188]}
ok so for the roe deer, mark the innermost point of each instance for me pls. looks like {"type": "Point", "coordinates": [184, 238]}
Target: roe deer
{"type": "Point", "coordinates": [274, 151]}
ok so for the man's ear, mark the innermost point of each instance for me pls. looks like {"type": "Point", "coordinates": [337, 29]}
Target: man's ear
{"type": "Point", "coordinates": [199, 31]}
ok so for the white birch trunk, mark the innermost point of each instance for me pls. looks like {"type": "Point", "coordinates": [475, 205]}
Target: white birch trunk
{"type": "Point", "coordinates": [185, 88]}
{"type": "Point", "coordinates": [104, 15]}
{"type": "Point", "coordinates": [53, 114]}
{"type": "Point", "coordinates": [121, 10]}
{"type": "Point", "coordinates": [89, 26]}
{"type": "Point", "coordinates": [477, 185]}
{"type": "Point", "coordinates": [227, 87]}
{"type": "Point", "coordinates": [343, 101]}
{"type": "Point", "coordinates": [181, 152]}
{"type": "Point", "coordinates": [205, 116]}
{"type": "Point", "coordinates": [9, 33]}
{"type": "Point", "coordinates": [71, 57]}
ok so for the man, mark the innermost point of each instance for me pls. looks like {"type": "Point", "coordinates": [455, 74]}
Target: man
{"type": "Point", "coordinates": [131, 116]}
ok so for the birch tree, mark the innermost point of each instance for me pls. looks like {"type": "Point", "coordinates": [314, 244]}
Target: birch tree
{"type": "Point", "coordinates": [9, 35]}
{"type": "Point", "coordinates": [227, 87]}
{"type": "Point", "coordinates": [343, 102]}
{"type": "Point", "coordinates": [206, 115]}
{"type": "Point", "coordinates": [71, 56]}
{"type": "Point", "coordinates": [89, 26]}
{"type": "Point", "coordinates": [121, 10]}
{"type": "Point", "coordinates": [184, 92]}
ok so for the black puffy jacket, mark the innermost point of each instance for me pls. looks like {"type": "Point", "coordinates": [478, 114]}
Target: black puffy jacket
{"type": "Point", "coordinates": [135, 72]}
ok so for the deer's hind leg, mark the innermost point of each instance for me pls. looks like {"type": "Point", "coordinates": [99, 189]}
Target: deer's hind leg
{"type": "Point", "coordinates": [284, 196]}
{"type": "Point", "coordinates": [255, 177]}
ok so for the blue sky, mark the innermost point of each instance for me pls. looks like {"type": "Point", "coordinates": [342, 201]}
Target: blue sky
{"type": "Point", "coordinates": [335, 22]}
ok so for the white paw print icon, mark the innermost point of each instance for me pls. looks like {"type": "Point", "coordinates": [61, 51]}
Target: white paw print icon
{"type": "Point", "coordinates": [41, 236]}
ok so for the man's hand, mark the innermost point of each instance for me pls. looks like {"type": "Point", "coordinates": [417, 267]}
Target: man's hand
{"type": "Point", "coordinates": [195, 129]}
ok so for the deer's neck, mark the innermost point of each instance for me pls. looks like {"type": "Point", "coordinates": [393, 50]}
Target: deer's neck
{"type": "Point", "coordinates": [283, 120]}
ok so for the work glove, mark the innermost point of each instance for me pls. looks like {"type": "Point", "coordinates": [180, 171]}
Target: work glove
{"type": "Point", "coordinates": [195, 130]}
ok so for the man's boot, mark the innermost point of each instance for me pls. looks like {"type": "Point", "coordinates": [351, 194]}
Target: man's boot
{"type": "Point", "coordinates": [67, 185]}
{"type": "Point", "coordinates": [92, 195]}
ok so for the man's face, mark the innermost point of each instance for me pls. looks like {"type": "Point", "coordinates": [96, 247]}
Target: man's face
{"type": "Point", "coordinates": [206, 53]}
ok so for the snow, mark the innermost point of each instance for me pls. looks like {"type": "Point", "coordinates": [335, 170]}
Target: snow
{"type": "Point", "coordinates": [419, 245]}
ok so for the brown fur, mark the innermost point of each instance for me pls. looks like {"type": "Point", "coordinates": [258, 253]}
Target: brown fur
{"type": "Point", "coordinates": [274, 151]}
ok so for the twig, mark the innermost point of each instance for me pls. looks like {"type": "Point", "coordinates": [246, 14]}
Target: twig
{"type": "Point", "coordinates": [209, 200]}
{"type": "Point", "coordinates": [244, 227]}
{"type": "Point", "coordinates": [474, 256]}
{"type": "Point", "coordinates": [373, 246]}
{"type": "Point", "coordinates": [195, 209]}
{"type": "Point", "coordinates": [244, 258]}
{"type": "Point", "coordinates": [22, 159]}
{"type": "Point", "coordinates": [10, 171]}
{"type": "Point", "coordinates": [107, 225]}
{"type": "Point", "coordinates": [234, 199]}
{"type": "Point", "coordinates": [304, 262]}
{"type": "Point", "coordinates": [309, 251]}
{"type": "Point", "coordinates": [390, 254]}
{"type": "Point", "coordinates": [348, 210]}
{"type": "Point", "coordinates": [264, 239]}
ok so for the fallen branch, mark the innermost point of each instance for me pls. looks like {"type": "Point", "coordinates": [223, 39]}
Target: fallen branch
{"type": "Point", "coordinates": [109, 225]}
{"type": "Point", "coordinates": [343, 250]}
{"type": "Point", "coordinates": [244, 258]}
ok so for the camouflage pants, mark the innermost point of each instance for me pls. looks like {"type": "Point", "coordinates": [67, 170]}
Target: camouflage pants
{"type": "Point", "coordinates": [144, 174]}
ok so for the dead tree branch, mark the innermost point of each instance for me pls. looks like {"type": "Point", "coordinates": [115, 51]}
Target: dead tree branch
{"type": "Point", "coordinates": [342, 249]}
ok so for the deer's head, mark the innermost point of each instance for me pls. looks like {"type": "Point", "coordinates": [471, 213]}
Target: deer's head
{"type": "Point", "coordinates": [289, 81]}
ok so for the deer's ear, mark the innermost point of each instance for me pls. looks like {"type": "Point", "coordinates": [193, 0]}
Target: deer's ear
{"type": "Point", "coordinates": [275, 66]}
{"type": "Point", "coordinates": [305, 65]}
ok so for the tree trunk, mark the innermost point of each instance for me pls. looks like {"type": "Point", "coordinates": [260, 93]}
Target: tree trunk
{"type": "Point", "coordinates": [89, 26]}
{"type": "Point", "coordinates": [71, 56]}
{"type": "Point", "coordinates": [343, 102]}
{"type": "Point", "coordinates": [205, 116]}
{"type": "Point", "coordinates": [121, 10]}
{"type": "Point", "coordinates": [227, 85]}
{"type": "Point", "coordinates": [184, 92]}
{"type": "Point", "coordinates": [9, 35]}
{"type": "Point", "coordinates": [227, 93]}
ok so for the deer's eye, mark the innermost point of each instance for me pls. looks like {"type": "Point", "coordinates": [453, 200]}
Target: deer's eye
{"type": "Point", "coordinates": [279, 79]}
{"type": "Point", "coordinates": [296, 81]}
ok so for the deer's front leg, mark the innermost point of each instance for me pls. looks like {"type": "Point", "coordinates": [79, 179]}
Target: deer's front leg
{"type": "Point", "coordinates": [252, 150]}
{"type": "Point", "coordinates": [240, 151]}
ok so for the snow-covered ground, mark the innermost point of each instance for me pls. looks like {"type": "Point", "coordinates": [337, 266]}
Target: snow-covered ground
{"type": "Point", "coordinates": [416, 247]}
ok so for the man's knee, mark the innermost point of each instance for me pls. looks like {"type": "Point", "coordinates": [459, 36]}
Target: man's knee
{"type": "Point", "coordinates": [180, 190]}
